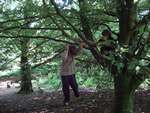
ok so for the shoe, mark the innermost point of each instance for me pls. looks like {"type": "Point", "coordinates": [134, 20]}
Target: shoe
{"type": "Point", "coordinates": [77, 96]}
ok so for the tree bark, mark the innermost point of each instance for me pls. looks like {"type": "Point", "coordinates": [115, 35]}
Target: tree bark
{"type": "Point", "coordinates": [123, 96]}
{"type": "Point", "coordinates": [87, 29]}
{"type": "Point", "coordinates": [26, 85]}
{"type": "Point", "coordinates": [127, 19]}
{"type": "Point", "coordinates": [122, 82]}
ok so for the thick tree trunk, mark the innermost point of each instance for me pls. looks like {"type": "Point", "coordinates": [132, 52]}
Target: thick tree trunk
{"type": "Point", "coordinates": [123, 89]}
{"type": "Point", "coordinates": [26, 85]}
{"type": "Point", "coordinates": [123, 96]}
{"type": "Point", "coordinates": [123, 103]}
{"type": "Point", "coordinates": [127, 19]}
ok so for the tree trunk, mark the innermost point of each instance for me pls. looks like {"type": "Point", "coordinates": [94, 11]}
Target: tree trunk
{"type": "Point", "coordinates": [124, 89]}
{"type": "Point", "coordinates": [123, 94]}
{"type": "Point", "coordinates": [26, 85]}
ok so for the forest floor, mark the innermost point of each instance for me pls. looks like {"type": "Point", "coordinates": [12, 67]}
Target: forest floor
{"type": "Point", "coordinates": [51, 102]}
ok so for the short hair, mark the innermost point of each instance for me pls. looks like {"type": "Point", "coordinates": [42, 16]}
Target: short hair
{"type": "Point", "coordinates": [106, 32]}
{"type": "Point", "coordinates": [72, 49]}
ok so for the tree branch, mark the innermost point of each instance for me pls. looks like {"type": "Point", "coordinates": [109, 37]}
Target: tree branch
{"type": "Point", "coordinates": [56, 53]}
{"type": "Point", "coordinates": [29, 50]}
{"type": "Point", "coordinates": [107, 26]}
{"type": "Point", "coordinates": [26, 18]}
{"type": "Point", "coordinates": [87, 31]}
{"type": "Point", "coordinates": [37, 37]}
{"type": "Point", "coordinates": [35, 28]}
{"type": "Point", "coordinates": [22, 25]}
{"type": "Point", "coordinates": [60, 28]}
{"type": "Point", "coordinates": [145, 20]}
{"type": "Point", "coordinates": [137, 79]}
{"type": "Point", "coordinates": [69, 23]}
{"type": "Point", "coordinates": [109, 13]}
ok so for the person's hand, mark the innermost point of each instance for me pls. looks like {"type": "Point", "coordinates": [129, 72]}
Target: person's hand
{"type": "Point", "coordinates": [82, 44]}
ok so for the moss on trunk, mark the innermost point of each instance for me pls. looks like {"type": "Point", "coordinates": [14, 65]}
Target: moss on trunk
{"type": "Point", "coordinates": [26, 85]}
{"type": "Point", "coordinates": [123, 96]}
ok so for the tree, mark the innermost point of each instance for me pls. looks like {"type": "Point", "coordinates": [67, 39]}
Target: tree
{"type": "Point", "coordinates": [130, 74]}
{"type": "Point", "coordinates": [128, 21]}
{"type": "Point", "coordinates": [26, 85]}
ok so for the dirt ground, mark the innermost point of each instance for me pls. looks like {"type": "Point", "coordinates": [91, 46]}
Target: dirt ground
{"type": "Point", "coordinates": [51, 102]}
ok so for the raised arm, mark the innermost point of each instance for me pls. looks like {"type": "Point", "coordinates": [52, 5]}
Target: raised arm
{"type": "Point", "coordinates": [81, 46]}
{"type": "Point", "coordinates": [64, 54]}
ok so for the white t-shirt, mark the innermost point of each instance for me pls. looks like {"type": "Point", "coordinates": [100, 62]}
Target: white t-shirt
{"type": "Point", "coordinates": [68, 65]}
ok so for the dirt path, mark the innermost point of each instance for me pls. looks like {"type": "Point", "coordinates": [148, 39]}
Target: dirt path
{"type": "Point", "coordinates": [51, 102]}
{"type": "Point", "coordinates": [4, 90]}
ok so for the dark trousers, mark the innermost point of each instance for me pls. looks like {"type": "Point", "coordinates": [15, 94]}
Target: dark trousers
{"type": "Point", "coordinates": [67, 81]}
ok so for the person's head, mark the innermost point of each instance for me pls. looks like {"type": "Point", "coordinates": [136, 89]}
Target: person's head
{"type": "Point", "coordinates": [106, 33]}
{"type": "Point", "coordinates": [72, 50]}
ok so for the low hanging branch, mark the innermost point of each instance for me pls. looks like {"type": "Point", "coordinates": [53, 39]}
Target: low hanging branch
{"type": "Point", "coordinates": [20, 54]}
{"type": "Point", "coordinates": [48, 59]}
{"type": "Point", "coordinates": [80, 34]}
{"type": "Point", "coordinates": [33, 28]}
{"type": "Point", "coordinates": [60, 28]}
{"type": "Point", "coordinates": [46, 28]}
{"type": "Point", "coordinates": [35, 48]}
{"type": "Point", "coordinates": [26, 18]}
{"type": "Point", "coordinates": [87, 31]}
{"type": "Point", "coordinates": [37, 37]}
{"type": "Point", "coordinates": [22, 26]}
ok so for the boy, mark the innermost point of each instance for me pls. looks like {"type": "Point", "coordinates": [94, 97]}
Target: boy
{"type": "Point", "coordinates": [68, 71]}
